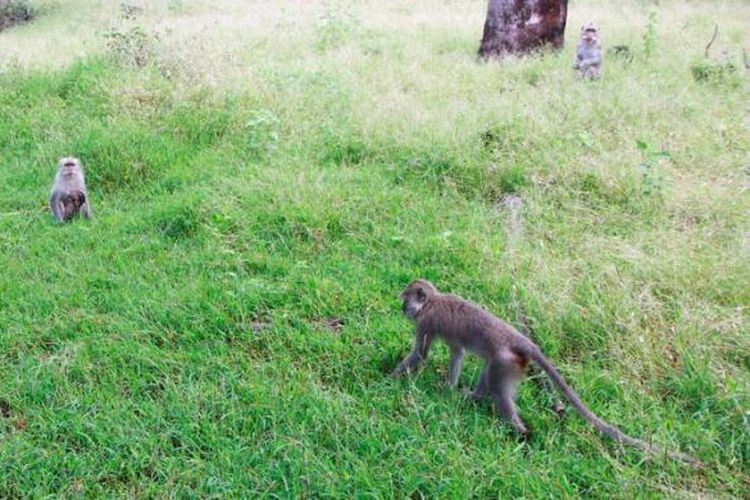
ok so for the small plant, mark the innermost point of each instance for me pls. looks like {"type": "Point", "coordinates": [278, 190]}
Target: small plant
{"type": "Point", "coordinates": [335, 26]}
{"type": "Point", "coordinates": [343, 149]}
{"type": "Point", "coordinates": [649, 36]}
{"type": "Point", "coordinates": [653, 182]}
{"type": "Point", "coordinates": [176, 6]}
{"type": "Point", "coordinates": [532, 76]}
{"type": "Point", "coordinates": [262, 132]}
{"type": "Point", "coordinates": [716, 72]}
{"type": "Point", "coordinates": [179, 223]}
{"type": "Point", "coordinates": [621, 53]}
{"type": "Point", "coordinates": [131, 46]}
{"type": "Point", "coordinates": [511, 179]}
{"type": "Point", "coordinates": [129, 11]}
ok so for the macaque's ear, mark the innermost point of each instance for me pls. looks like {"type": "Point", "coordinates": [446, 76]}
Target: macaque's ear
{"type": "Point", "coordinates": [421, 296]}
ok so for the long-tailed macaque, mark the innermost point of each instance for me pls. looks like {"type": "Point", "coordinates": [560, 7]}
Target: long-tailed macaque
{"type": "Point", "coordinates": [588, 59]}
{"type": "Point", "coordinates": [68, 195]}
{"type": "Point", "coordinates": [506, 352]}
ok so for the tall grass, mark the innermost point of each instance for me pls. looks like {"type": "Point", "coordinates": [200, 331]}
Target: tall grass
{"type": "Point", "coordinates": [267, 176]}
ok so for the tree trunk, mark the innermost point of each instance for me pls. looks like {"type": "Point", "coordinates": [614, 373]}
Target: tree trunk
{"type": "Point", "coordinates": [521, 26]}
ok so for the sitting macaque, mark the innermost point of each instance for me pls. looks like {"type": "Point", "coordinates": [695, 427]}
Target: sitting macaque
{"type": "Point", "coordinates": [588, 59]}
{"type": "Point", "coordinates": [68, 196]}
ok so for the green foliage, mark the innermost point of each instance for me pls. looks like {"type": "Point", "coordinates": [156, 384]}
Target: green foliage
{"type": "Point", "coordinates": [649, 33]}
{"type": "Point", "coordinates": [132, 46]}
{"type": "Point", "coordinates": [335, 26]}
{"type": "Point", "coordinates": [262, 132]}
{"type": "Point", "coordinates": [653, 182]}
{"type": "Point", "coordinates": [179, 221]}
{"type": "Point", "coordinates": [129, 11]}
{"type": "Point", "coordinates": [715, 72]}
{"type": "Point", "coordinates": [620, 53]}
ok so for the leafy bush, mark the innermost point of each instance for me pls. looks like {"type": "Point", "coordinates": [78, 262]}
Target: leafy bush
{"type": "Point", "coordinates": [713, 72]}
{"type": "Point", "coordinates": [131, 47]}
{"type": "Point", "coordinates": [14, 12]}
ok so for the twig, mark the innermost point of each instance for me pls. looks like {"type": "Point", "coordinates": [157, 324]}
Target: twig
{"type": "Point", "coordinates": [716, 32]}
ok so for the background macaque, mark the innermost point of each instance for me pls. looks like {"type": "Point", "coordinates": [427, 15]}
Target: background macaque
{"type": "Point", "coordinates": [68, 196]}
{"type": "Point", "coordinates": [588, 60]}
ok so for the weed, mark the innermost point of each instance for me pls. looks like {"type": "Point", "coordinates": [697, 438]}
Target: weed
{"type": "Point", "coordinates": [621, 53]}
{"type": "Point", "coordinates": [262, 132]}
{"type": "Point", "coordinates": [129, 11]}
{"type": "Point", "coordinates": [653, 181]}
{"type": "Point", "coordinates": [714, 72]}
{"type": "Point", "coordinates": [132, 46]}
{"type": "Point", "coordinates": [178, 222]}
{"type": "Point", "coordinates": [649, 33]}
{"type": "Point", "coordinates": [335, 26]}
{"type": "Point", "coordinates": [343, 149]}
{"type": "Point", "coordinates": [510, 179]}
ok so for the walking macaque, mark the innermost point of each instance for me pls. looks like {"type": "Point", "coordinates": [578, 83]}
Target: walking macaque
{"type": "Point", "coordinates": [506, 352]}
{"type": "Point", "coordinates": [588, 59]}
{"type": "Point", "coordinates": [68, 196]}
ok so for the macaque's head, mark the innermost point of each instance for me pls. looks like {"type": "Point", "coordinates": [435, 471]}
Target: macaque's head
{"type": "Point", "coordinates": [69, 166]}
{"type": "Point", "coordinates": [589, 33]}
{"type": "Point", "coordinates": [77, 198]}
{"type": "Point", "coordinates": [415, 295]}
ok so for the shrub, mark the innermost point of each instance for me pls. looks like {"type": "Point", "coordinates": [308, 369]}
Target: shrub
{"type": "Point", "coordinates": [14, 12]}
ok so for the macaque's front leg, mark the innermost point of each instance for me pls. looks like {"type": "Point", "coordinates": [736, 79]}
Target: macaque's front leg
{"type": "Point", "coordinates": [419, 352]}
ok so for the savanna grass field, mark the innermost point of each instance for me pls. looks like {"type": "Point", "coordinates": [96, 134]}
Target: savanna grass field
{"type": "Point", "coordinates": [266, 176]}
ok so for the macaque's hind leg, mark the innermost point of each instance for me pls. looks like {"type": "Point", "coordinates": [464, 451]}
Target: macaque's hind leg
{"type": "Point", "coordinates": [480, 391]}
{"type": "Point", "coordinates": [454, 371]}
{"type": "Point", "coordinates": [502, 379]}
{"type": "Point", "coordinates": [57, 206]}
{"type": "Point", "coordinates": [86, 210]}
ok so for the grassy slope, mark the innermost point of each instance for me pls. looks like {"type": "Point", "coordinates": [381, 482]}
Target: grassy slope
{"type": "Point", "coordinates": [270, 173]}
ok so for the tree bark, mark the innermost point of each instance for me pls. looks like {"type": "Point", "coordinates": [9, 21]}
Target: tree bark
{"type": "Point", "coordinates": [522, 26]}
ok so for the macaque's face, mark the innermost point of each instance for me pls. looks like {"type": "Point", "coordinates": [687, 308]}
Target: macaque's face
{"type": "Point", "coordinates": [69, 166]}
{"type": "Point", "coordinates": [414, 297]}
{"type": "Point", "coordinates": [589, 33]}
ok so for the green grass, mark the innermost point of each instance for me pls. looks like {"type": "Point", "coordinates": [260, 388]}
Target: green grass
{"type": "Point", "coordinates": [269, 169]}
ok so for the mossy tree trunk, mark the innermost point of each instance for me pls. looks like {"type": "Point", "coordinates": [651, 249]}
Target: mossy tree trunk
{"type": "Point", "coordinates": [521, 26]}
